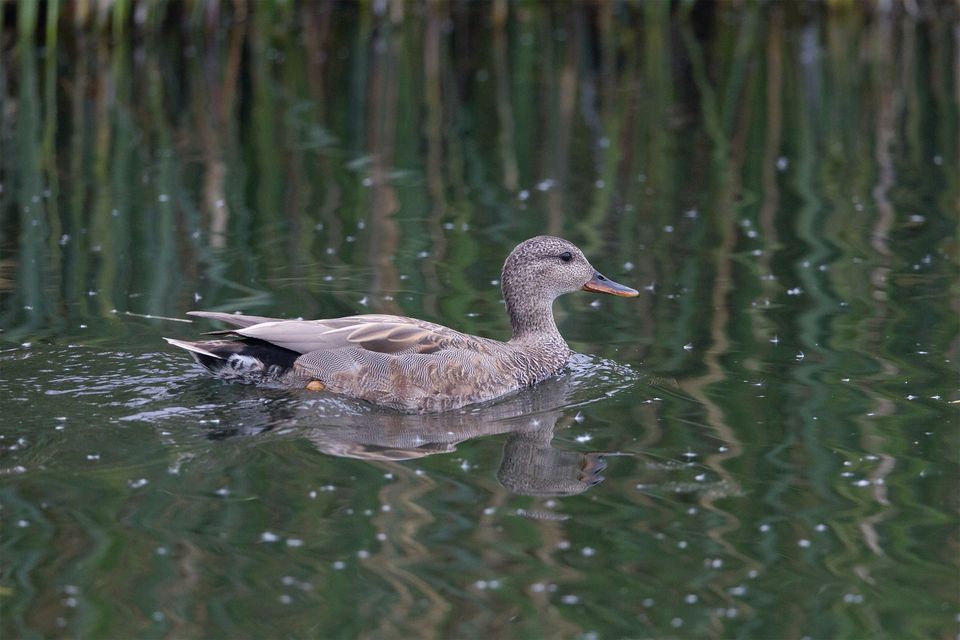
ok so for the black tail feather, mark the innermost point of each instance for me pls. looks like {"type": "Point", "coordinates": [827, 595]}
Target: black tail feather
{"type": "Point", "coordinates": [247, 359]}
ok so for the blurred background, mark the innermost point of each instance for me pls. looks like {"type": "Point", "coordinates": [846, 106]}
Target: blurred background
{"type": "Point", "coordinates": [779, 179]}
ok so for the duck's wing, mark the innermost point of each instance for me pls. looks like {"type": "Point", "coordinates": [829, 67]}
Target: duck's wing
{"type": "Point", "coordinates": [234, 319]}
{"type": "Point", "coordinates": [375, 333]}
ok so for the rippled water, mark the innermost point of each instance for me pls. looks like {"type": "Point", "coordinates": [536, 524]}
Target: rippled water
{"type": "Point", "coordinates": [763, 444]}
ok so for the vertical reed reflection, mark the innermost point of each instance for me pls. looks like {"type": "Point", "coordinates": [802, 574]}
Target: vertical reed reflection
{"type": "Point", "coordinates": [383, 123]}
{"type": "Point", "coordinates": [503, 82]}
{"type": "Point", "coordinates": [725, 175]}
{"type": "Point", "coordinates": [418, 608]}
{"type": "Point", "coordinates": [27, 197]}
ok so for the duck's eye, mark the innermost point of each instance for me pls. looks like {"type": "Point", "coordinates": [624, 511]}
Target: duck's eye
{"type": "Point", "coordinates": [566, 256]}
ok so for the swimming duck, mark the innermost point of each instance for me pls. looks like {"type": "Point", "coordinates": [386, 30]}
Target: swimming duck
{"type": "Point", "coordinates": [409, 364]}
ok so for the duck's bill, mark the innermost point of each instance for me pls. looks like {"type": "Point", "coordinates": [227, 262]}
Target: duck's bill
{"type": "Point", "coordinates": [602, 284]}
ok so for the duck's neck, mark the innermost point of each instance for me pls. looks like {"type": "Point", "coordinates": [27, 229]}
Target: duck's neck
{"type": "Point", "coordinates": [531, 316]}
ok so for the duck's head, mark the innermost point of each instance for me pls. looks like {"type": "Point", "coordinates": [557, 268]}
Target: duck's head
{"type": "Point", "coordinates": [546, 267]}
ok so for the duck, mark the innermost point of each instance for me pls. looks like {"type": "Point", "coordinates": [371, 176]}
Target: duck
{"type": "Point", "coordinates": [408, 364]}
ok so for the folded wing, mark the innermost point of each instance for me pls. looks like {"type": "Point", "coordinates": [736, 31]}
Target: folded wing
{"type": "Point", "coordinates": [381, 334]}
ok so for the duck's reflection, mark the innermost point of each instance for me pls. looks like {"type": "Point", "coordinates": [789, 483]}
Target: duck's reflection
{"type": "Point", "coordinates": [532, 466]}
{"type": "Point", "coordinates": [530, 463]}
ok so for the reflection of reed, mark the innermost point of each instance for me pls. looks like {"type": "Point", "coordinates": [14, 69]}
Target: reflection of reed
{"type": "Point", "coordinates": [727, 166]}
{"type": "Point", "coordinates": [558, 134]}
{"type": "Point", "coordinates": [550, 533]}
{"type": "Point", "coordinates": [78, 250]}
{"type": "Point", "coordinates": [401, 555]}
{"type": "Point", "coordinates": [433, 135]}
{"type": "Point", "coordinates": [383, 109]}
{"type": "Point", "coordinates": [215, 107]}
{"type": "Point", "coordinates": [890, 106]}
{"type": "Point", "coordinates": [163, 203]}
{"type": "Point", "coordinates": [502, 79]}
{"type": "Point", "coordinates": [32, 257]}
{"type": "Point", "coordinates": [107, 140]}
{"type": "Point", "coordinates": [770, 201]}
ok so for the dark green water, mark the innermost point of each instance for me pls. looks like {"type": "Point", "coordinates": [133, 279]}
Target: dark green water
{"type": "Point", "coordinates": [777, 411]}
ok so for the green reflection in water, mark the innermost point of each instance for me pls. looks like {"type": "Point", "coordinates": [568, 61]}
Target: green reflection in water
{"type": "Point", "coordinates": [780, 180]}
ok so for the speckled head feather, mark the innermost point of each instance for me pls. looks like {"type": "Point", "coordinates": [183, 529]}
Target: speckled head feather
{"type": "Point", "coordinates": [535, 273]}
{"type": "Point", "coordinates": [410, 364]}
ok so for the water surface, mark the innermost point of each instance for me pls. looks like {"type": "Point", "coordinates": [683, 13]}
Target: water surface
{"type": "Point", "coordinates": [763, 444]}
